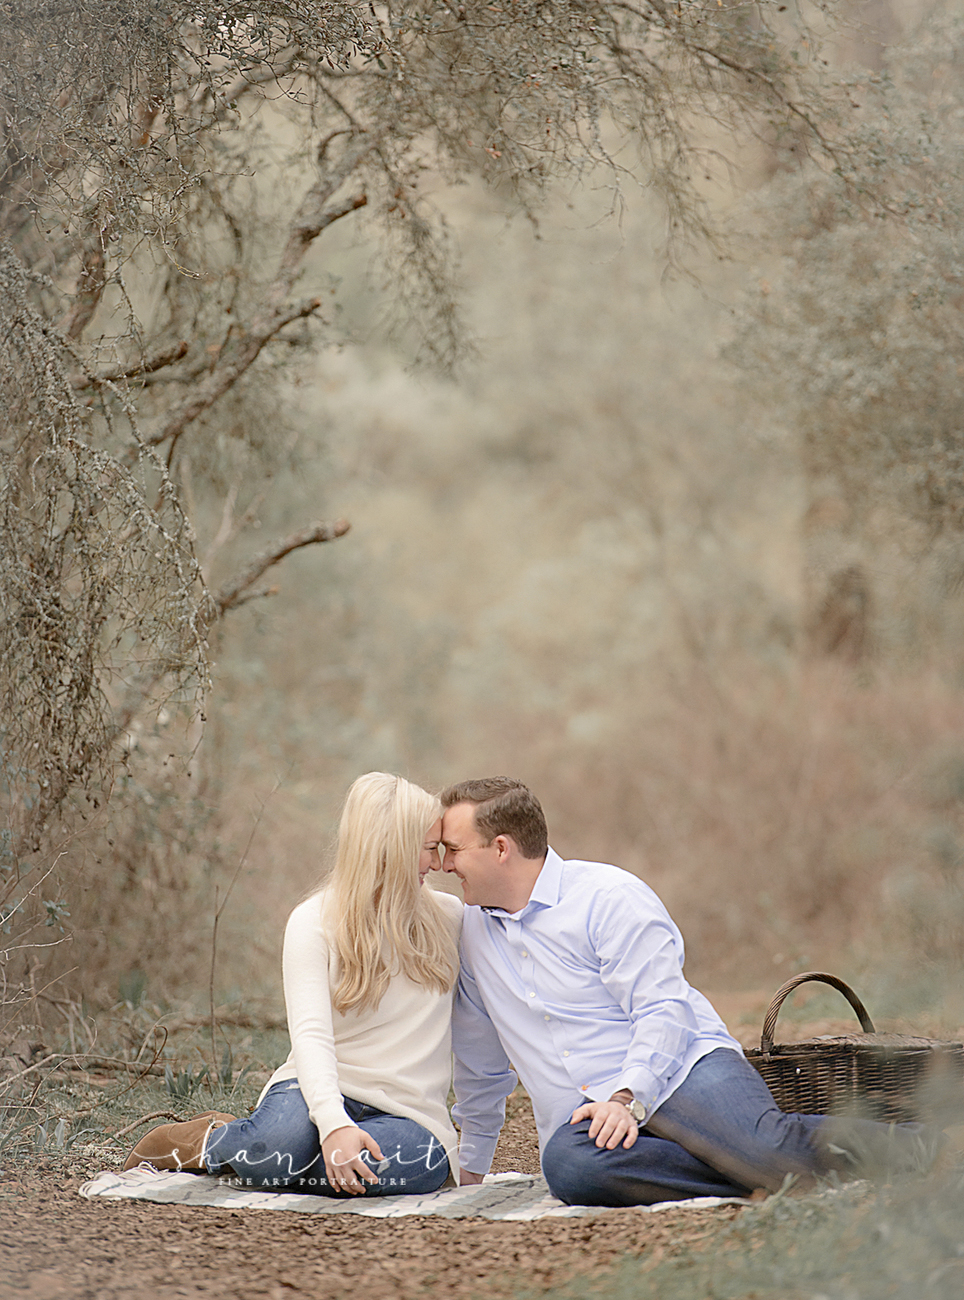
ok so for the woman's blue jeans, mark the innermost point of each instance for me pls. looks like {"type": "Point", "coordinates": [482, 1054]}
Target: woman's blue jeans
{"type": "Point", "coordinates": [278, 1147]}
{"type": "Point", "coordinates": [722, 1134]}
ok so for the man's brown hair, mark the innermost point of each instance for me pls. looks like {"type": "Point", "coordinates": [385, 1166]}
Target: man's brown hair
{"type": "Point", "coordinates": [503, 807]}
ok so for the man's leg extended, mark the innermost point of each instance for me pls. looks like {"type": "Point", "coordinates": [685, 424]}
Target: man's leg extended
{"type": "Point", "coordinates": [722, 1134]}
{"type": "Point", "coordinates": [652, 1170]}
{"type": "Point", "coordinates": [724, 1114]}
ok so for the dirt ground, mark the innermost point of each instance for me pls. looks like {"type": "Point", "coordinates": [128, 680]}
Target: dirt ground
{"type": "Point", "coordinates": [55, 1245]}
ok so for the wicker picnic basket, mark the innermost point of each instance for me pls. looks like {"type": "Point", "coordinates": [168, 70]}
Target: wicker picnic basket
{"type": "Point", "coordinates": [889, 1077]}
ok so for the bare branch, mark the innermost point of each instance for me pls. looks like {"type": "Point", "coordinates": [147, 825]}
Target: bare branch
{"type": "Point", "coordinates": [81, 1061]}
{"type": "Point", "coordinates": [757, 74]}
{"type": "Point", "coordinates": [12, 1078]}
{"type": "Point", "coordinates": [233, 593]}
{"type": "Point", "coordinates": [261, 593]}
{"type": "Point", "coordinates": [90, 284]}
{"type": "Point", "coordinates": [163, 357]}
{"type": "Point", "coordinates": [313, 216]}
{"type": "Point", "coordinates": [227, 372]}
{"type": "Point", "coordinates": [282, 65]}
{"type": "Point", "coordinates": [313, 219]}
{"type": "Point", "coordinates": [155, 1114]}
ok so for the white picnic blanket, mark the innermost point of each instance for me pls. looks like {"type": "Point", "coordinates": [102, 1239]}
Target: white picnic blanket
{"type": "Point", "coordinates": [500, 1196]}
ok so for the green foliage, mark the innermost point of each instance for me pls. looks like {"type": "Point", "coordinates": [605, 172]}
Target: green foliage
{"type": "Point", "coordinates": [56, 911]}
{"type": "Point", "coordinates": [902, 1241]}
{"type": "Point", "coordinates": [21, 1136]}
{"type": "Point", "coordinates": [226, 1068]}
{"type": "Point", "coordinates": [60, 1138]}
{"type": "Point", "coordinates": [183, 1084]}
{"type": "Point", "coordinates": [62, 1117]}
{"type": "Point", "coordinates": [132, 986]}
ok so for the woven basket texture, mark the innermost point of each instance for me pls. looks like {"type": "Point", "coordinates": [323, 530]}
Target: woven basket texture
{"type": "Point", "coordinates": [890, 1077]}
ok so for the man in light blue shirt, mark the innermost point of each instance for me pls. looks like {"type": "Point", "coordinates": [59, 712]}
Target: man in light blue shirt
{"type": "Point", "coordinates": [573, 972]}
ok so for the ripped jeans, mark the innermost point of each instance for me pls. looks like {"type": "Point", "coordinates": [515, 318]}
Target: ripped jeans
{"type": "Point", "coordinates": [278, 1148]}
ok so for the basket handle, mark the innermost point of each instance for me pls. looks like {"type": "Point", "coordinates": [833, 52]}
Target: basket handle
{"type": "Point", "coordinates": [770, 1021]}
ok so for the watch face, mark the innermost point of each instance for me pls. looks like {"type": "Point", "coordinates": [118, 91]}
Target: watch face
{"type": "Point", "coordinates": [638, 1111]}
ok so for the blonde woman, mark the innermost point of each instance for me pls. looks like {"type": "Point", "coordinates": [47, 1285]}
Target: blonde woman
{"type": "Point", "coordinates": [370, 963]}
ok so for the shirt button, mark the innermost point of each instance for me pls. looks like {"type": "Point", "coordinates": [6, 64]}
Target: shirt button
{"type": "Point", "coordinates": [565, 1053]}
{"type": "Point", "coordinates": [547, 1017]}
{"type": "Point", "coordinates": [531, 995]}
{"type": "Point", "coordinates": [584, 1087]}
{"type": "Point", "coordinates": [525, 954]}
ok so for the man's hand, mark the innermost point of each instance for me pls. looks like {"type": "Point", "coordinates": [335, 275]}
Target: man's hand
{"type": "Point", "coordinates": [466, 1177]}
{"type": "Point", "coordinates": [344, 1166]}
{"type": "Point", "coordinates": [612, 1123]}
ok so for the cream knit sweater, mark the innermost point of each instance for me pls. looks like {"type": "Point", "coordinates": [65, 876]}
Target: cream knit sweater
{"type": "Point", "coordinates": [396, 1057]}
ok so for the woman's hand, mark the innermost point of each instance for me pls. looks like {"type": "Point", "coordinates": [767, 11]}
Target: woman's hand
{"type": "Point", "coordinates": [344, 1167]}
{"type": "Point", "coordinates": [612, 1123]}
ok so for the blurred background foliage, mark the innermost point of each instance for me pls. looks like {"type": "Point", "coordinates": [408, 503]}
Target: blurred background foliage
{"type": "Point", "coordinates": [681, 551]}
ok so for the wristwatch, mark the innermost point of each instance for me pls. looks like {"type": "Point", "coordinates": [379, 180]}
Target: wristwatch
{"type": "Point", "coordinates": [636, 1109]}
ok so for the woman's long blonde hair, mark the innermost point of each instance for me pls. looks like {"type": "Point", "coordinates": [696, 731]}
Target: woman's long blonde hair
{"type": "Point", "coordinates": [383, 921]}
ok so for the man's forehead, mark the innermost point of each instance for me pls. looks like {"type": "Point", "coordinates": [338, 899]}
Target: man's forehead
{"type": "Point", "coordinates": [460, 817]}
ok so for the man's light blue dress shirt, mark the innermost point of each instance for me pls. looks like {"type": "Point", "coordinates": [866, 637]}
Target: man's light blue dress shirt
{"type": "Point", "coordinates": [583, 992]}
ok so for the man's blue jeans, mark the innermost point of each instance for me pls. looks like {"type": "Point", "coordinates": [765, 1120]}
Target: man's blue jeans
{"type": "Point", "coordinates": [722, 1134]}
{"type": "Point", "coordinates": [278, 1147]}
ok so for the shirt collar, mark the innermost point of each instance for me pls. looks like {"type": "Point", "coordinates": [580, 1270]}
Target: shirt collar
{"type": "Point", "coordinates": [545, 892]}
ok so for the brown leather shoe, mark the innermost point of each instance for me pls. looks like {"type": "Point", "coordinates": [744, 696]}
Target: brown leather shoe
{"type": "Point", "coordinates": [177, 1146]}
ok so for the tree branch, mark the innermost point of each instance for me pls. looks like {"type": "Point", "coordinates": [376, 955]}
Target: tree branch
{"type": "Point", "coordinates": [309, 220]}
{"type": "Point", "coordinates": [282, 65]}
{"type": "Point", "coordinates": [756, 74]}
{"type": "Point", "coordinates": [163, 357]}
{"type": "Point", "coordinates": [91, 282]}
{"type": "Point", "coordinates": [260, 593]}
{"type": "Point", "coordinates": [313, 216]}
{"type": "Point", "coordinates": [233, 593]}
{"type": "Point", "coordinates": [264, 327]}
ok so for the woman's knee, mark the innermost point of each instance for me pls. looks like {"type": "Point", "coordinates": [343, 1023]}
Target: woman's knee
{"type": "Point", "coordinates": [414, 1161]}
{"type": "Point", "coordinates": [273, 1147]}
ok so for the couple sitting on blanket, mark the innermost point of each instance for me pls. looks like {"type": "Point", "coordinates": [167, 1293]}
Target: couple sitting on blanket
{"type": "Point", "coordinates": [569, 975]}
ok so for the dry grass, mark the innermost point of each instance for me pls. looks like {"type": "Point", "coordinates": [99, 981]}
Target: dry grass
{"type": "Point", "coordinates": [789, 821]}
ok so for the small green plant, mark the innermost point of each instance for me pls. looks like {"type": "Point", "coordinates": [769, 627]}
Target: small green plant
{"type": "Point", "coordinates": [226, 1068]}
{"type": "Point", "coordinates": [15, 1128]}
{"type": "Point", "coordinates": [183, 1085]}
{"type": "Point", "coordinates": [60, 1138]}
{"type": "Point", "coordinates": [132, 986]}
{"type": "Point", "coordinates": [57, 912]}
{"type": "Point", "coordinates": [225, 1085]}
{"type": "Point", "coordinates": [21, 1134]}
